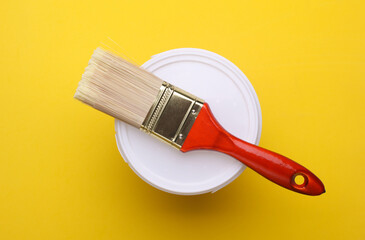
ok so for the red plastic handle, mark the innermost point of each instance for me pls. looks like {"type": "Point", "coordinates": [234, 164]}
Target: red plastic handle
{"type": "Point", "coordinates": [207, 133]}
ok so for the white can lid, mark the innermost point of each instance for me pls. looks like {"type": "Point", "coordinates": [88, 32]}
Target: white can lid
{"type": "Point", "coordinates": [233, 102]}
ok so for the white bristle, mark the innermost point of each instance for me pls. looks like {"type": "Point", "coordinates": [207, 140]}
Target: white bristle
{"type": "Point", "coordinates": [118, 88]}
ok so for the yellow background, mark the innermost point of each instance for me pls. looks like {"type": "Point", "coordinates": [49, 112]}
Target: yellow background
{"type": "Point", "coordinates": [61, 176]}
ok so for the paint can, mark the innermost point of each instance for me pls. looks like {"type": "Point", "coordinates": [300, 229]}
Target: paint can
{"type": "Point", "coordinates": [233, 102]}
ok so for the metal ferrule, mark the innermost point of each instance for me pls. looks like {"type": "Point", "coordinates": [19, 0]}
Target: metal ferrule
{"type": "Point", "coordinates": [172, 115]}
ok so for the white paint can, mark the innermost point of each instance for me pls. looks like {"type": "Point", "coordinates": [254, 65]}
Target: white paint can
{"type": "Point", "coordinates": [233, 102]}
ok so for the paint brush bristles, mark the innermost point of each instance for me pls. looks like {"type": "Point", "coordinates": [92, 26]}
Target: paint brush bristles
{"type": "Point", "coordinates": [118, 88]}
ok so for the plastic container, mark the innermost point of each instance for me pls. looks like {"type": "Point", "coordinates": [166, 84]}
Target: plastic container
{"type": "Point", "coordinates": [233, 102]}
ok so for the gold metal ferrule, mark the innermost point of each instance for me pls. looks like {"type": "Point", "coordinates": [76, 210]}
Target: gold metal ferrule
{"type": "Point", "coordinates": [172, 115]}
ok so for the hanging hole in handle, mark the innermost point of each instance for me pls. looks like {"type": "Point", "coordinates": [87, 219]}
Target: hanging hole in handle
{"type": "Point", "coordinates": [299, 180]}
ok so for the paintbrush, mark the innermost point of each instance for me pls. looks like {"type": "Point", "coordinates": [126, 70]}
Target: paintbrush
{"type": "Point", "coordinates": [131, 94]}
